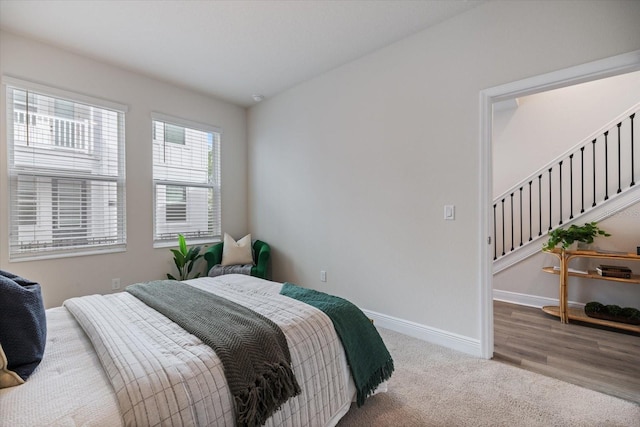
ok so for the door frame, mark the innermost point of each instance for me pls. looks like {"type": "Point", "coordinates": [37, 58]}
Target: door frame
{"type": "Point", "coordinates": [608, 67]}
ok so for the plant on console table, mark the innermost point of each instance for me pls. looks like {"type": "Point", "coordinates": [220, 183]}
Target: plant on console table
{"type": "Point", "coordinates": [184, 258]}
{"type": "Point", "coordinates": [567, 236]}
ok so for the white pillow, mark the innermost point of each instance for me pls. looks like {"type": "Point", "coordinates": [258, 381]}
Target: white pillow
{"type": "Point", "coordinates": [234, 253]}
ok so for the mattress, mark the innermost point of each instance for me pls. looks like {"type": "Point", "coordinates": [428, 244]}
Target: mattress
{"type": "Point", "coordinates": [70, 387]}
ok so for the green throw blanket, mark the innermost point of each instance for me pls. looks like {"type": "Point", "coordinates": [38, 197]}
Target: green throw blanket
{"type": "Point", "coordinates": [253, 349]}
{"type": "Point", "coordinates": [368, 357]}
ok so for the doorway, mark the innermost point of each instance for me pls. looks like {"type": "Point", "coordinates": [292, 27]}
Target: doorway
{"type": "Point", "coordinates": [613, 66]}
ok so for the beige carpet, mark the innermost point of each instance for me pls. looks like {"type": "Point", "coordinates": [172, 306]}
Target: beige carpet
{"type": "Point", "coordinates": [435, 386]}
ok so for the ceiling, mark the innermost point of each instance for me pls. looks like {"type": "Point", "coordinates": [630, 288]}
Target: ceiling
{"type": "Point", "coordinates": [228, 49]}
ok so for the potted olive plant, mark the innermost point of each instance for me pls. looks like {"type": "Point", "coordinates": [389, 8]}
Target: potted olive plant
{"type": "Point", "coordinates": [567, 236]}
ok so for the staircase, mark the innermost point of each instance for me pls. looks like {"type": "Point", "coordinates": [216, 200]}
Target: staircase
{"type": "Point", "coordinates": [589, 182]}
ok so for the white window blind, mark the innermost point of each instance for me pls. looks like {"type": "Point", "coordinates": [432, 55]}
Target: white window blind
{"type": "Point", "coordinates": [186, 176]}
{"type": "Point", "coordinates": [66, 173]}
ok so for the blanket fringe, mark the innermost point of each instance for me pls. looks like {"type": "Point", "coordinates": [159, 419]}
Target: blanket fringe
{"type": "Point", "coordinates": [260, 400]}
{"type": "Point", "coordinates": [378, 376]}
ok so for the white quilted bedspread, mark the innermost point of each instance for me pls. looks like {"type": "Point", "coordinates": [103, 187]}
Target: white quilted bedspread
{"type": "Point", "coordinates": [164, 376]}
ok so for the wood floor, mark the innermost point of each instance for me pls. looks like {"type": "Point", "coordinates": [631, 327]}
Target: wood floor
{"type": "Point", "coordinates": [597, 358]}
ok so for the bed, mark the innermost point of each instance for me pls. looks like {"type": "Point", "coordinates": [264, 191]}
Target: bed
{"type": "Point", "coordinates": [77, 384]}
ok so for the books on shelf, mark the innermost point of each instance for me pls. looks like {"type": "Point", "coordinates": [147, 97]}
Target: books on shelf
{"type": "Point", "coordinates": [614, 267]}
{"type": "Point", "coordinates": [618, 271]}
{"type": "Point", "coordinates": [618, 274]}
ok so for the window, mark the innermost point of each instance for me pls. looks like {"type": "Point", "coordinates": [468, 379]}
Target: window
{"type": "Point", "coordinates": [186, 175]}
{"type": "Point", "coordinates": [66, 172]}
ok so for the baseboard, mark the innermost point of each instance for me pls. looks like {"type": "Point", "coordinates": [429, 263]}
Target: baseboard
{"type": "Point", "coordinates": [449, 339]}
{"type": "Point", "coordinates": [529, 300]}
{"type": "Point", "coordinates": [433, 335]}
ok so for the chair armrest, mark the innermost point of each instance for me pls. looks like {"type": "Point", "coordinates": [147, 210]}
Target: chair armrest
{"type": "Point", "coordinates": [213, 256]}
{"type": "Point", "coordinates": [261, 253]}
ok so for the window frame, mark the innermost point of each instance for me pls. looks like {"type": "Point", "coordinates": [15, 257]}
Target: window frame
{"type": "Point", "coordinates": [16, 172]}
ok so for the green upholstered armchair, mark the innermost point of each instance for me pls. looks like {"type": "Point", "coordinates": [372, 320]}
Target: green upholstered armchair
{"type": "Point", "coordinates": [261, 255]}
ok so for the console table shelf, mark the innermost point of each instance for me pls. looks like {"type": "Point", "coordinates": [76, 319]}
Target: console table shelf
{"type": "Point", "coordinates": [563, 311]}
{"type": "Point", "coordinates": [592, 274]}
{"type": "Point", "coordinates": [579, 315]}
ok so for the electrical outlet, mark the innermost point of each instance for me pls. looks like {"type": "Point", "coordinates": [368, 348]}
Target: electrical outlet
{"type": "Point", "coordinates": [323, 276]}
{"type": "Point", "coordinates": [115, 284]}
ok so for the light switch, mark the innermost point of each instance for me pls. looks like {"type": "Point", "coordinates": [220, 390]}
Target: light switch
{"type": "Point", "coordinates": [449, 212]}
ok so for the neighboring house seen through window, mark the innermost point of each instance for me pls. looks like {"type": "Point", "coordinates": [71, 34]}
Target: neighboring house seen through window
{"type": "Point", "coordinates": [176, 203]}
{"type": "Point", "coordinates": [174, 134]}
{"type": "Point", "coordinates": [186, 175]}
{"type": "Point", "coordinates": [69, 213]}
{"type": "Point", "coordinates": [27, 201]}
{"type": "Point", "coordinates": [66, 172]}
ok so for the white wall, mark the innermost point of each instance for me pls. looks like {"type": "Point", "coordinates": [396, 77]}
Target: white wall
{"type": "Point", "coordinates": [547, 124]}
{"type": "Point", "coordinates": [349, 172]}
{"type": "Point", "coordinates": [67, 277]}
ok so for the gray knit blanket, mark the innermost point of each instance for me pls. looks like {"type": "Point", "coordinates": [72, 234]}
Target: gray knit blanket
{"type": "Point", "coordinates": [219, 270]}
{"type": "Point", "coordinates": [252, 348]}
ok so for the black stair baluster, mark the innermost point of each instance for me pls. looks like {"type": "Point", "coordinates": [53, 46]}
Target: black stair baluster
{"type": "Point", "coordinates": [530, 214]}
{"type": "Point", "coordinates": [571, 185]}
{"type": "Point", "coordinates": [503, 227]}
{"type": "Point", "coordinates": [633, 182]}
{"type": "Point", "coordinates": [619, 177]}
{"type": "Point", "coordinates": [512, 222]}
{"type": "Point", "coordinates": [495, 247]}
{"type": "Point", "coordinates": [593, 143]}
{"type": "Point", "coordinates": [540, 204]}
{"type": "Point", "coordinates": [520, 216]}
{"type": "Point", "coordinates": [606, 168]}
{"type": "Point", "coordinates": [582, 176]}
{"type": "Point", "coordinates": [560, 187]}
{"type": "Point", "coordinates": [550, 198]}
